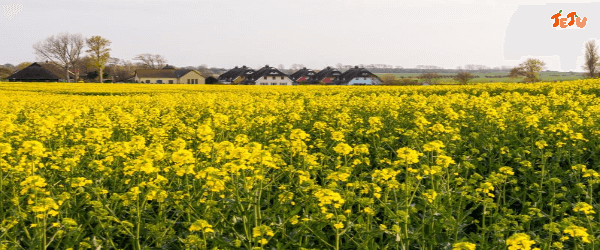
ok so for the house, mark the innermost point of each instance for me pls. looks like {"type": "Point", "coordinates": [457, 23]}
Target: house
{"type": "Point", "coordinates": [235, 75]}
{"type": "Point", "coordinates": [328, 75]}
{"type": "Point", "coordinates": [303, 76]}
{"type": "Point", "coordinates": [40, 72]}
{"type": "Point", "coordinates": [169, 75]}
{"type": "Point", "coordinates": [267, 76]}
{"type": "Point", "coordinates": [358, 76]}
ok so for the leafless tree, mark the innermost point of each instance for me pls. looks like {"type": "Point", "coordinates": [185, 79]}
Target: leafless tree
{"type": "Point", "coordinates": [470, 67]}
{"type": "Point", "coordinates": [64, 49]}
{"type": "Point", "coordinates": [463, 77]}
{"type": "Point", "coordinates": [431, 78]}
{"type": "Point", "coordinates": [151, 61]}
{"type": "Point", "coordinates": [591, 58]}
{"type": "Point", "coordinates": [204, 71]}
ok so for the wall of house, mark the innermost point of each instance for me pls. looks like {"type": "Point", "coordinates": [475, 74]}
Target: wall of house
{"type": "Point", "coordinates": [276, 81]}
{"type": "Point", "coordinates": [153, 80]}
{"type": "Point", "coordinates": [192, 75]}
{"type": "Point", "coordinates": [363, 81]}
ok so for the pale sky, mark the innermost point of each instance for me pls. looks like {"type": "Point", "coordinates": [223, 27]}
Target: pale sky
{"type": "Point", "coordinates": [315, 33]}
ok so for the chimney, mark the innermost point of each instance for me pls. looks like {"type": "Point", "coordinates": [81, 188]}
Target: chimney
{"type": "Point", "coordinates": [356, 67]}
{"type": "Point", "coordinates": [267, 65]}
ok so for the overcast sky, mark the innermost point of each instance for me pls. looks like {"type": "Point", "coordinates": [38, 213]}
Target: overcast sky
{"type": "Point", "coordinates": [316, 33]}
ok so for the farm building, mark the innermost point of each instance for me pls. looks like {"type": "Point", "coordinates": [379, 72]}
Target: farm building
{"type": "Point", "coordinates": [40, 72]}
{"type": "Point", "coordinates": [358, 76]}
{"type": "Point", "coordinates": [236, 75]}
{"type": "Point", "coordinates": [169, 75]}
{"type": "Point", "coordinates": [303, 76]}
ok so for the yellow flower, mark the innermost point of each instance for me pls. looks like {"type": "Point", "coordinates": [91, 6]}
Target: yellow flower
{"type": "Point", "coordinates": [183, 157]}
{"type": "Point", "coordinates": [201, 225]}
{"type": "Point", "coordinates": [576, 231]}
{"type": "Point", "coordinates": [519, 241]}
{"type": "Point", "coordinates": [338, 225]}
{"type": "Point", "coordinates": [433, 146]}
{"type": "Point", "coordinates": [430, 195]}
{"type": "Point", "coordinates": [464, 246]}
{"type": "Point", "coordinates": [342, 148]}
{"type": "Point", "coordinates": [408, 156]}
{"type": "Point", "coordinates": [584, 208]}
{"type": "Point", "coordinates": [261, 231]}
{"type": "Point", "coordinates": [33, 148]}
{"type": "Point", "coordinates": [444, 161]}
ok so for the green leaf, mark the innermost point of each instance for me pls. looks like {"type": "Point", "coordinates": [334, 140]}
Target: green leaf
{"type": "Point", "coordinates": [560, 11]}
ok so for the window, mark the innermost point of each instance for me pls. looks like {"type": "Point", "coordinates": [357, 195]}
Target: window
{"type": "Point", "coordinates": [147, 81]}
{"type": "Point", "coordinates": [188, 81]}
{"type": "Point", "coordinates": [171, 81]}
{"type": "Point", "coordinates": [282, 78]}
{"type": "Point", "coordinates": [196, 80]}
{"type": "Point", "coordinates": [158, 81]}
{"type": "Point", "coordinates": [265, 78]}
{"type": "Point", "coordinates": [273, 78]}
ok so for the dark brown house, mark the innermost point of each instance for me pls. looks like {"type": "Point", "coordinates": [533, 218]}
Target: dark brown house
{"type": "Point", "coordinates": [39, 72]}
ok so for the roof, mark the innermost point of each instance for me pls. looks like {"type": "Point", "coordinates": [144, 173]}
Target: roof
{"type": "Point", "coordinates": [263, 72]}
{"type": "Point", "coordinates": [350, 74]}
{"type": "Point", "coordinates": [236, 72]}
{"type": "Point", "coordinates": [302, 73]}
{"type": "Point", "coordinates": [163, 73]}
{"type": "Point", "coordinates": [39, 71]}
{"type": "Point", "coordinates": [156, 73]}
{"type": "Point", "coordinates": [327, 72]}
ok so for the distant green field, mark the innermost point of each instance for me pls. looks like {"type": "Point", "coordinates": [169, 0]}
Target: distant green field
{"type": "Point", "coordinates": [546, 76]}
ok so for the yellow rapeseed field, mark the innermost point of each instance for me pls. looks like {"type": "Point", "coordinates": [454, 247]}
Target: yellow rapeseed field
{"type": "Point", "coordinates": [125, 166]}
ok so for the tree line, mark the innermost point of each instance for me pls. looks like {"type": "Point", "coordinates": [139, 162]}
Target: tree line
{"type": "Point", "coordinates": [75, 54]}
{"type": "Point", "coordinates": [90, 59]}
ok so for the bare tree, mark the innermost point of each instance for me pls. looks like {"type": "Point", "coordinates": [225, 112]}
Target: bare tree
{"type": "Point", "coordinates": [431, 77]}
{"type": "Point", "coordinates": [99, 53]}
{"type": "Point", "coordinates": [64, 49]}
{"type": "Point", "coordinates": [463, 77]}
{"type": "Point", "coordinates": [151, 61]}
{"type": "Point", "coordinates": [121, 70]}
{"type": "Point", "coordinates": [591, 58]}
{"type": "Point", "coordinates": [204, 71]}
{"type": "Point", "coordinates": [528, 69]}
